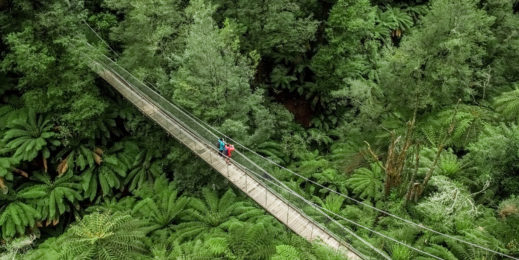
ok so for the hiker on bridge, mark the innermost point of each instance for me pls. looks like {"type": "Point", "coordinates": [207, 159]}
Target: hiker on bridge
{"type": "Point", "coordinates": [229, 148]}
{"type": "Point", "coordinates": [221, 146]}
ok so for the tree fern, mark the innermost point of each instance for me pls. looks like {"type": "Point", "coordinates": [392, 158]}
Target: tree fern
{"type": "Point", "coordinates": [469, 122]}
{"type": "Point", "coordinates": [400, 252]}
{"type": "Point", "coordinates": [16, 214]}
{"type": "Point", "coordinates": [507, 104]}
{"type": "Point", "coordinates": [438, 251]}
{"type": "Point", "coordinates": [105, 236]}
{"type": "Point", "coordinates": [6, 166]}
{"type": "Point", "coordinates": [145, 168]}
{"type": "Point", "coordinates": [29, 136]}
{"type": "Point", "coordinates": [195, 249]}
{"type": "Point", "coordinates": [114, 166]}
{"type": "Point", "coordinates": [78, 155]}
{"type": "Point", "coordinates": [448, 163]}
{"type": "Point", "coordinates": [163, 208]}
{"type": "Point", "coordinates": [319, 137]}
{"type": "Point", "coordinates": [394, 21]}
{"type": "Point", "coordinates": [61, 194]}
{"type": "Point", "coordinates": [274, 151]}
{"type": "Point", "coordinates": [251, 241]}
{"type": "Point", "coordinates": [332, 202]}
{"type": "Point", "coordinates": [367, 183]}
{"type": "Point", "coordinates": [286, 252]}
{"type": "Point", "coordinates": [280, 78]}
{"type": "Point", "coordinates": [210, 215]}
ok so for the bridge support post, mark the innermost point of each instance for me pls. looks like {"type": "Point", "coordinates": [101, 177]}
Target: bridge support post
{"type": "Point", "coordinates": [246, 189]}
{"type": "Point", "coordinates": [288, 210]}
{"type": "Point", "coordinates": [266, 203]}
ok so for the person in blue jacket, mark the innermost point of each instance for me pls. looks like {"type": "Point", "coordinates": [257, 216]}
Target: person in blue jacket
{"type": "Point", "coordinates": [221, 146]}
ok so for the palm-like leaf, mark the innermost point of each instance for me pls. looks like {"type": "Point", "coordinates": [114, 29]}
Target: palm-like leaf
{"type": "Point", "coordinates": [212, 215]}
{"type": "Point", "coordinates": [29, 136]}
{"type": "Point", "coordinates": [163, 207]}
{"type": "Point", "coordinates": [250, 241]}
{"type": "Point", "coordinates": [144, 169]}
{"type": "Point", "coordinates": [507, 104]}
{"type": "Point", "coordinates": [367, 183]}
{"type": "Point", "coordinates": [114, 166]}
{"type": "Point", "coordinates": [16, 214]}
{"type": "Point", "coordinates": [332, 202]}
{"type": "Point", "coordinates": [105, 236]}
{"type": "Point", "coordinates": [78, 155]}
{"type": "Point", "coordinates": [281, 79]}
{"type": "Point", "coordinates": [61, 194]}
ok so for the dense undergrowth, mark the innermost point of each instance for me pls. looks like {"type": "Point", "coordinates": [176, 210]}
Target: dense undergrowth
{"type": "Point", "coordinates": [409, 106]}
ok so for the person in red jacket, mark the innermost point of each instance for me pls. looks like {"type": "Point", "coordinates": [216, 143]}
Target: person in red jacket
{"type": "Point", "coordinates": [229, 148]}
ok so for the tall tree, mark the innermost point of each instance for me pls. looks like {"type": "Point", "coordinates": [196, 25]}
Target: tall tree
{"type": "Point", "coordinates": [148, 34]}
{"type": "Point", "coordinates": [213, 78]}
{"type": "Point", "coordinates": [347, 56]}
{"type": "Point", "coordinates": [48, 53]}
{"type": "Point", "coordinates": [440, 62]}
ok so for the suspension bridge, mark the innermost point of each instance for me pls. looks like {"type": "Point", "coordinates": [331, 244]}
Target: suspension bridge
{"type": "Point", "coordinates": [252, 183]}
{"type": "Point", "coordinates": [307, 219]}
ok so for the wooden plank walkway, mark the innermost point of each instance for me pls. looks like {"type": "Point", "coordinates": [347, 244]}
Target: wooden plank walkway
{"type": "Point", "coordinates": [275, 205]}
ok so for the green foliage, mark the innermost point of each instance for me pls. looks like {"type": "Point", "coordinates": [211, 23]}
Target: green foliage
{"type": "Point", "coordinates": [347, 56]}
{"type": "Point", "coordinates": [6, 164]}
{"type": "Point", "coordinates": [367, 183]}
{"type": "Point", "coordinates": [145, 169]}
{"type": "Point", "coordinates": [213, 73]}
{"type": "Point", "coordinates": [441, 61]}
{"type": "Point", "coordinates": [451, 200]}
{"type": "Point", "coordinates": [332, 202]}
{"type": "Point", "coordinates": [494, 154]}
{"type": "Point", "coordinates": [448, 164]}
{"type": "Point", "coordinates": [507, 104]}
{"type": "Point", "coordinates": [212, 214]}
{"type": "Point", "coordinates": [162, 207]}
{"type": "Point", "coordinates": [277, 29]}
{"type": "Point", "coordinates": [400, 252]}
{"type": "Point", "coordinates": [468, 122]}
{"type": "Point", "coordinates": [15, 217]}
{"type": "Point", "coordinates": [77, 156]}
{"type": "Point", "coordinates": [159, 25]}
{"type": "Point", "coordinates": [104, 236]}
{"type": "Point", "coordinates": [504, 50]}
{"type": "Point", "coordinates": [29, 136]}
{"type": "Point", "coordinates": [15, 247]}
{"type": "Point", "coordinates": [244, 241]}
{"type": "Point", "coordinates": [351, 69]}
{"type": "Point", "coordinates": [16, 213]}
{"type": "Point", "coordinates": [393, 22]}
{"type": "Point", "coordinates": [46, 54]}
{"type": "Point", "coordinates": [115, 164]}
{"type": "Point", "coordinates": [286, 252]}
{"type": "Point", "coordinates": [61, 194]}
{"type": "Point", "coordinates": [274, 151]}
